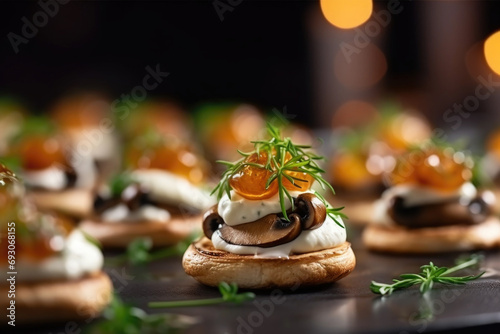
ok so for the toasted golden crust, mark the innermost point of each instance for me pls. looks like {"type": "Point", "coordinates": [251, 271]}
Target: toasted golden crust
{"type": "Point", "coordinates": [397, 239]}
{"type": "Point", "coordinates": [119, 235]}
{"type": "Point", "coordinates": [52, 301]}
{"type": "Point", "coordinates": [74, 202]}
{"type": "Point", "coordinates": [211, 266]}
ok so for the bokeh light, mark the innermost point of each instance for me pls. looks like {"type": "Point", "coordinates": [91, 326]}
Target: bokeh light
{"type": "Point", "coordinates": [346, 14]}
{"type": "Point", "coordinates": [353, 114]}
{"type": "Point", "coordinates": [362, 70]}
{"type": "Point", "coordinates": [492, 52]}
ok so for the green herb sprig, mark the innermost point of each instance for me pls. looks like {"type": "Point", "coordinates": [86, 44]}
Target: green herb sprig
{"type": "Point", "coordinates": [429, 275]}
{"type": "Point", "coordinates": [229, 294]}
{"type": "Point", "coordinates": [277, 150]}
{"type": "Point", "coordinates": [119, 182]}
{"type": "Point", "coordinates": [123, 318]}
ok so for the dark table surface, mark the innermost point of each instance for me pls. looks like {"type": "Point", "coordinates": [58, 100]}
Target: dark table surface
{"type": "Point", "coordinates": [345, 306]}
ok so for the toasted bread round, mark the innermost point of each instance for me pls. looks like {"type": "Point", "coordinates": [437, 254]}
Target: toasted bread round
{"type": "Point", "coordinates": [211, 266]}
{"type": "Point", "coordinates": [396, 239]}
{"type": "Point", "coordinates": [74, 202]}
{"type": "Point", "coordinates": [119, 235]}
{"type": "Point", "coordinates": [62, 300]}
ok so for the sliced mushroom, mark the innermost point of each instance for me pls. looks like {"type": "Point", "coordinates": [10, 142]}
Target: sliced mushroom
{"type": "Point", "coordinates": [311, 209]}
{"type": "Point", "coordinates": [211, 221]}
{"type": "Point", "coordinates": [452, 212]}
{"type": "Point", "coordinates": [102, 204]}
{"type": "Point", "coordinates": [134, 196]}
{"type": "Point", "coordinates": [268, 231]}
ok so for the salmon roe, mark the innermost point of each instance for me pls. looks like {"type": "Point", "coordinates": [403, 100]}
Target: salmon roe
{"type": "Point", "coordinates": [179, 160]}
{"type": "Point", "coordinates": [435, 168]}
{"type": "Point", "coordinates": [250, 182]}
{"type": "Point", "coordinates": [40, 152]}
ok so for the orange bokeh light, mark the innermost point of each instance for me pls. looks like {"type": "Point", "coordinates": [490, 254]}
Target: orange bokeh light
{"type": "Point", "coordinates": [346, 14]}
{"type": "Point", "coordinates": [492, 52]}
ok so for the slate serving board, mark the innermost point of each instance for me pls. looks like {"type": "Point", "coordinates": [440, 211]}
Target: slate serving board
{"type": "Point", "coordinates": [347, 306]}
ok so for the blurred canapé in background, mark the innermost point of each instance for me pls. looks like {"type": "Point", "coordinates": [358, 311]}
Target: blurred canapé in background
{"type": "Point", "coordinates": [312, 56]}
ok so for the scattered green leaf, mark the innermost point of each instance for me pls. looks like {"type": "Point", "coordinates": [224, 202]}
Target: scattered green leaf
{"type": "Point", "coordinates": [119, 182]}
{"type": "Point", "coordinates": [123, 318]}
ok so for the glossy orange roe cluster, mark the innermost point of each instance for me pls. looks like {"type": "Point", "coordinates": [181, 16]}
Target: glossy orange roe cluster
{"type": "Point", "coordinates": [34, 243]}
{"type": "Point", "coordinates": [40, 152]}
{"type": "Point", "coordinates": [179, 160]}
{"type": "Point", "coordinates": [441, 169]}
{"type": "Point", "coordinates": [250, 182]}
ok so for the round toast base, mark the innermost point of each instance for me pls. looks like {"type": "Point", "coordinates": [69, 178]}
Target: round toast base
{"type": "Point", "coordinates": [211, 266]}
{"type": "Point", "coordinates": [395, 239]}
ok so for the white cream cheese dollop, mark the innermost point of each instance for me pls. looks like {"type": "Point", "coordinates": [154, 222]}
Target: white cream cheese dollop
{"type": "Point", "coordinates": [238, 210]}
{"type": "Point", "coordinates": [51, 178]}
{"type": "Point", "coordinates": [326, 236]}
{"type": "Point", "coordinates": [418, 195]}
{"type": "Point", "coordinates": [77, 258]}
{"type": "Point", "coordinates": [170, 188]}
{"type": "Point", "coordinates": [121, 214]}
{"type": "Point", "coordinates": [162, 186]}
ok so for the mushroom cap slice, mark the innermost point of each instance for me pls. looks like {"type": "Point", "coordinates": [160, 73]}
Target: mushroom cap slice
{"type": "Point", "coordinates": [268, 231]}
{"type": "Point", "coordinates": [272, 229]}
{"type": "Point", "coordinates": [211, 221]}
{"type": "Point", "coordinates": [311, 209]}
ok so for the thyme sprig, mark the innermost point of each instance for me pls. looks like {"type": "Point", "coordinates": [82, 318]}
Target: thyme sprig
{"type": "Point", "coordinates": [429, 275]}
{"type": "Point", "coordinates": [229, 294]}
{"type": "Point", "coordinates": [283, 158]}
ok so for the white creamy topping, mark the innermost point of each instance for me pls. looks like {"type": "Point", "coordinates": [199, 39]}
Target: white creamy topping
{"type": "Point", "coordinates": [121, 213]}
{"type": "Point", "coordinates": [51, 178]}
{"type": "Point", "coordinates": [239, 210]}
{"type": "Point", "coordinates": [170, 188]}
{"type": "Point", "coordinates": [78, 258]}
{"type": "Point", "coordinates": [418, 195]}
{"type": "Point", "coordinates": [326, 236]}
{"type": "Point", "coordinates": [86, 172]}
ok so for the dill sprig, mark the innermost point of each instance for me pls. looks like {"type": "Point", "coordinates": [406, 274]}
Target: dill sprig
{"type": "Point", "coordinates": [429, 275]}
{"type": "Point", "coordinates": [283, 157]}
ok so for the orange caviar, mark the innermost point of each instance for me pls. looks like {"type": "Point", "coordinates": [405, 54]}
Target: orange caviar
{"type": "Point", "coordinates": [179, 160]}
{"type": "Point", "coordinates": [250, 182]}
{"type": "Point", "coordinates": [35, 241]}
{"type": "Point", "coordinates": [434, 168]}
{"type": "Point", "coordinates": [40, 152]}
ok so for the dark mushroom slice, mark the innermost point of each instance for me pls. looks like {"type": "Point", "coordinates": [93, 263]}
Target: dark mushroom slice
{"type": "Point", "coordinates": [268, 231]}
{"type": "Point", "coordinates": [311, 209]}
{"type": "Point", "coordinates": [134, 196]}
{"type": "Point", "coordinates": [102, 204]}
{"type": "Point", "coordinates": [212, 221]}
{"type": "Point", "coordinates": [452, 212]}
{"type": "Point", "coordinates": [71, 177]}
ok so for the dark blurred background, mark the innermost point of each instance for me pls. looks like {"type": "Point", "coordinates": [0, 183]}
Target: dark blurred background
{"type": "Point", "coordinates": [260, 53]}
